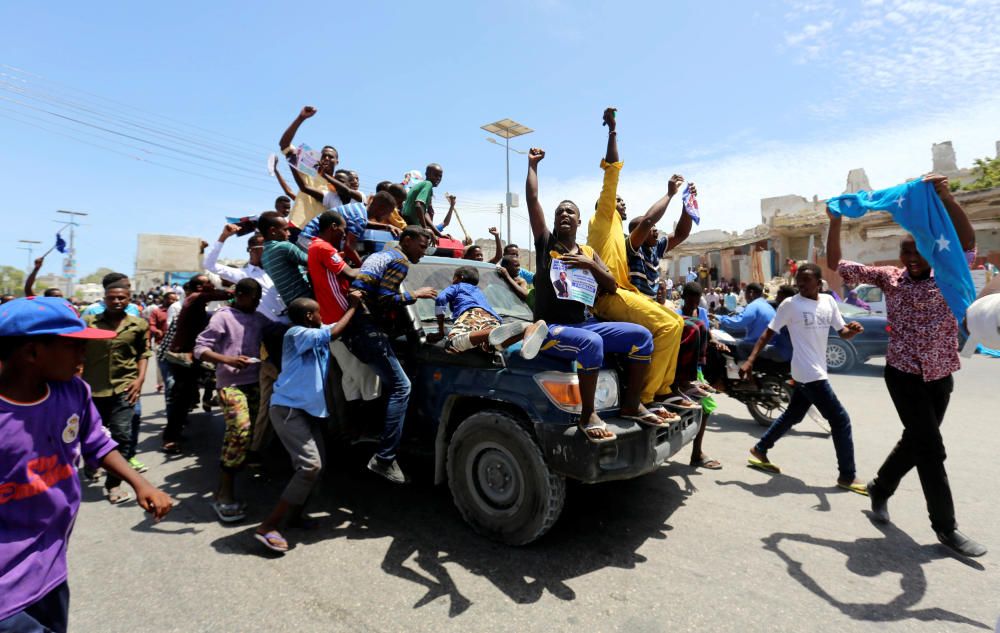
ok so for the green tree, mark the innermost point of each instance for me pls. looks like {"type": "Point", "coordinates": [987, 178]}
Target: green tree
{"type": "Point", "coordinates": [11, 280]}
{"type": "Point", "coordinates": [987, 172]}
{"type": "Point", "coordinates": [95, 277]}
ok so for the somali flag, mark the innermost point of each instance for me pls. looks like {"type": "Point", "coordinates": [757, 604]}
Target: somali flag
{"type": "Point", "coordinates": [918, 209]}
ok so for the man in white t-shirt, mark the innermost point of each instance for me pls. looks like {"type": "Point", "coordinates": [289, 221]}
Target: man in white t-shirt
{"type": "Point", "coordinates": [809, 316]}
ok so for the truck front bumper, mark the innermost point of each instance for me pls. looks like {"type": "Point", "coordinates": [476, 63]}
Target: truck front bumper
{"type": "Point", "coordinates": [638, 449]}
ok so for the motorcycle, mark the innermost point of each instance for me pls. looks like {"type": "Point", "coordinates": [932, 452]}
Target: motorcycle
{"type": "Point", "coordinates": [768, 391]}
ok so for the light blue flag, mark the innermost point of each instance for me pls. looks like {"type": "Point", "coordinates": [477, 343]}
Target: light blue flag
{"type": "Point", "coordinates": [918, 209]}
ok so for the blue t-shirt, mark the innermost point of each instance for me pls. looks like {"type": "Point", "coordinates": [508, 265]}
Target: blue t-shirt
{"type": "Point", "coordinates": [355, 215]}
{"type": "Point", "coordinates": [305, 355]}
{"type": "Point", "coordinates": [754, 319]}
{"type": "Point", "coordinates": [461, 298]}
{"type": "Point", "coordinates": [98, 308]}
{"type": "Point", "coordinates": [526, 275]}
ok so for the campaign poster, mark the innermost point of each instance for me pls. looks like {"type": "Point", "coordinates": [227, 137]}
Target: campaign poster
{"type": "Point", "coordinates": [573, 284]}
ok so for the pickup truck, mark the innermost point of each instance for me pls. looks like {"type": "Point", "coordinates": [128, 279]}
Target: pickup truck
{"type": "Point", "coordinates": [502, 430]}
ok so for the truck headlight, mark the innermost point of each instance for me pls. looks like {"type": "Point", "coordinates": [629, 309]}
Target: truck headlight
{"type": "Point", "coordinates": [563, 390]}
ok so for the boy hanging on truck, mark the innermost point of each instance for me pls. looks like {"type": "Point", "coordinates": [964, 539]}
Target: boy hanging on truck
{"type": "Point", "coordinates": [476, 322]}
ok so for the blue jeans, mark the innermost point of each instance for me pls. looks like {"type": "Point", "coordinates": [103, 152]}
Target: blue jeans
{"type": "Point", "coordinates": [371, 345]}
{"type": "Point", "coordinates": [818, 393]}
{"type": "Point", "coordinates": [50, 613]}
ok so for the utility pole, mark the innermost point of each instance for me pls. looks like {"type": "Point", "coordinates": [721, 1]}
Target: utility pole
{"type": "Point", "coordinates": [69, 262]}
{"type": "Point", "coordinates": [30, 248]}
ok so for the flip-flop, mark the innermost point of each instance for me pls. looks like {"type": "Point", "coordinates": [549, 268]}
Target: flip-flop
{"type": "Point", "coordinates": [663, 412]}
{"type": "Point", "coordinates": [229, 512]}
{"type": "Point", "coordinates": [602, 426]}
{"type": "Point", "coordinates": [707, 462]}
{"type": "Point", "coordinates": [273, 541]}
{"type": "Point", "coordinates": [681, 401]}
{"type": "Point", "coordinates": [859, 488]}
{"type": "Point", "coordinates": [119, 495]}
{"type": "Point", "coordinates": [648, 419]}
{"type": "Point", "coordinates": [767, 467]}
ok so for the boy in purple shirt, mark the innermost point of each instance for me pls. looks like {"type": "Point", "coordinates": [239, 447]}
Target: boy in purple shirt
{"type": "Point", "coordinates": [232, 341]}
{"type": "Point", "coordinates": [48, 426]}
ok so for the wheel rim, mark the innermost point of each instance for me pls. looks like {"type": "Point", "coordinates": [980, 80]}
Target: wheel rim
{"type": "Point", "coordinates": [836, 356]}
{"type": "Point", "coordinates": [496, 476]}
{"type": "Point", "coordinates": [778, 395]}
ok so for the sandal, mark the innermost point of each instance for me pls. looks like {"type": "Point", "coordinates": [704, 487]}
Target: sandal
{"type": "Point", "coordinates": [647, 418]}
{"type": "Point", "coordinates": [681, 401]}
{"type": "Point", "coordinates": [273, 541]}
{"type": "Point", "coordinates": [707, 462]}
{"type": "Point", "coordinates": [171, 448]}
{"type": "Point", "coordinates": [858, 487]}
{"type": "Point", "coordinates": [765, 466]}
{"type": "Point", "coordinates": [663, 412]}
{"type": "Point", "coordinates": [118, 495]}
{"type": "Point", "coordinates": [599, 425]}
{"type": "Point", "coordinates": [229, 512]}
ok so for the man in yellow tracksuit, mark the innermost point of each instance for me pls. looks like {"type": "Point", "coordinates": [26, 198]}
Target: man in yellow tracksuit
{"type": "Point", "coordinates": [606, 235]}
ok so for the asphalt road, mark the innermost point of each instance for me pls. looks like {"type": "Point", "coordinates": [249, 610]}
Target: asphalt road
{"type": "Point", "coordinates": [680, 549]}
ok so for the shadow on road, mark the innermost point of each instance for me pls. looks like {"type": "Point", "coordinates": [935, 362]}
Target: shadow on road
{"type": "Point", "coordinates": [896, 553]}
{"type": "Point", "coordinates": [427, 534]}
{"type": "Point", "coordinates": [786, 485]}
{"type": "Point", "coordinates": [724, 423]}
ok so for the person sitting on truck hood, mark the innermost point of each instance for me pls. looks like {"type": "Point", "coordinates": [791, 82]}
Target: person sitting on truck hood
{"type": "Point", "coordinates": [572, 334]}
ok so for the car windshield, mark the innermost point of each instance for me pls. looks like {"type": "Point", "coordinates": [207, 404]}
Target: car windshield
{"type": "Point", "coordinates": [849, 310]}
{"type": "Point", "coordinates": [439, 276]}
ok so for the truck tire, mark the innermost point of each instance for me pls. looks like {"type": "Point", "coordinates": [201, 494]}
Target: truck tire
{"type": "Point", "coordinates": [840, 356]}
{"type": "Point", "coordinates": [499, 479]}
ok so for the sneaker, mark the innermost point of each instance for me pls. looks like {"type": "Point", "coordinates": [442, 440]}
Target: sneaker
{"type": "Point", "coordinates": [961, 543]}
{"type": "Point", "coordinates": [534, 335]}
{"type": "Point", "coordinates": [880, 504]}
{"type": "Point", "coordinates": [503, 332]}
{"type": "Point", "coordinates": [136, 465]}
{"type": "Point", "coordinates": [390, 471]}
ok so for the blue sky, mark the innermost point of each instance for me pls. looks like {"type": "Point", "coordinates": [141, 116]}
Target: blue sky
{"type": "Point", "coordinates": [748, 99]}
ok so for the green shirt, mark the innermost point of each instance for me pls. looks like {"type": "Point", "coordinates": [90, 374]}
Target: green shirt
{"type": "Point", "coordinates": [423, 191]}
{"type": "Point", "coordinates": [285, 263]}
{"type": "Point", "coordinates": [112, 365]}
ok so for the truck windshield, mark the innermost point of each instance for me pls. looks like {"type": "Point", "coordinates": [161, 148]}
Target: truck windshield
{"type": "Point", "coordinates": [439, 276]}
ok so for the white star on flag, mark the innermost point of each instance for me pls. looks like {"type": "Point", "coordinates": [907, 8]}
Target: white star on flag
{"type": "Point", "coordinates": [849, 202]}
{"type": "Point", "coordinates": [942, 243]}
{"type": "Point", "coordinates": [899, 201]}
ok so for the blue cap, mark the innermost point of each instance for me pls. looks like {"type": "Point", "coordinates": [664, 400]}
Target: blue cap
{"type": "Point", "coordinates": [38, 316]}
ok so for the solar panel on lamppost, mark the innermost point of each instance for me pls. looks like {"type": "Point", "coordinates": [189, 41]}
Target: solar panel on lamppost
{"type": "Point", "coordinates": [31, 246]}
{"type": "Point", "coordinates": [507, 129]}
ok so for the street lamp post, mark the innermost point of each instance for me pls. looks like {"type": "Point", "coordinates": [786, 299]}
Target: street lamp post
{"type": "Point", "coordinates": [507, 129]}
{"type": "Point", "coordinates": [69, 262]}
{"type": "Point", "coordinates": [31, 246]}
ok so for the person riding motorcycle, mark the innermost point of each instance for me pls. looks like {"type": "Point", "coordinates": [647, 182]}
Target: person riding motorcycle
{"type": "Point", "coordinates": [754, 320]}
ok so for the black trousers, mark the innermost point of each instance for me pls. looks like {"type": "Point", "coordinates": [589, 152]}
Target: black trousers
{"type": "Point", "coordinates": [921, 407]}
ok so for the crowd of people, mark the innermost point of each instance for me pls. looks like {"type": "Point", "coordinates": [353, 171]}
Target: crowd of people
{"type": "Point", "coordinates": [260, 340]}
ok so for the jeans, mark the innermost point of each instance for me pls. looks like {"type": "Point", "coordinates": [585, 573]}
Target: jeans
{"type": "Point", "coordinates": [184, 391]}
{"type": "Point", "coordinates": [921, 407]}
{"type": "Point", "coordinates": [49, 613]}
{"type": "Point", "coordinates": [819, 393]}
{"type": "Point", "coordinates": [167, 377]}
{"type": "Point", "coordinates": [134, 430]}
{"type": "Point", "coordinates": [371, 345]}
{"type": "Point", "coordinates": [116, 413]}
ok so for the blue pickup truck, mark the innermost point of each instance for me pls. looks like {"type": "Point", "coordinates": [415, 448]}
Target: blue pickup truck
{"type": "Point", "coordinates": [502, 429]}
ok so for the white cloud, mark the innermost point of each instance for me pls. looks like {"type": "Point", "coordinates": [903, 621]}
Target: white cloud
{"type": "Point", "coordinates": [730, 187]}
{"type": "Point", "coordinates": [901, 55]}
